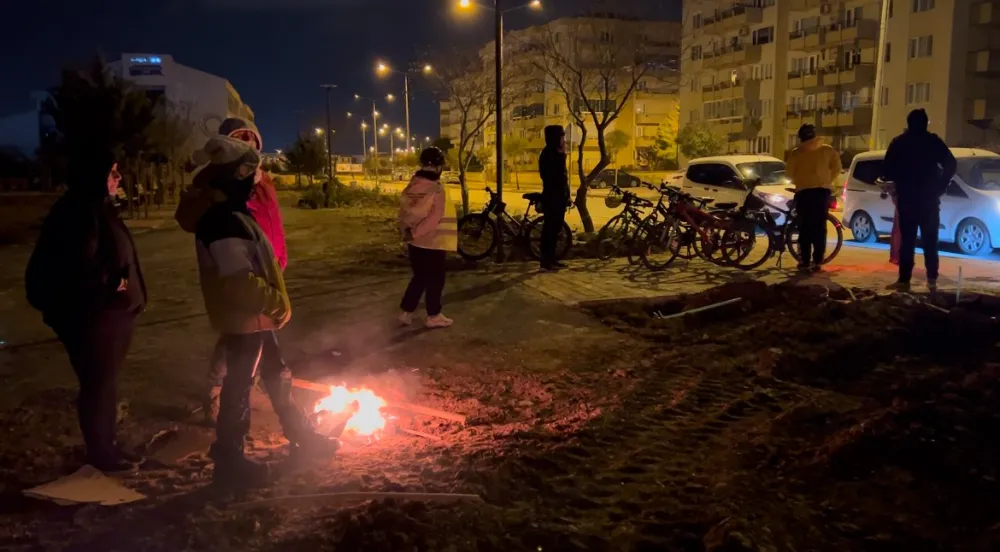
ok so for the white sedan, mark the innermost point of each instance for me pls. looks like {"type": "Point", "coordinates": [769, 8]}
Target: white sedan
{"type": "Point", "coordinates": [776, 192]}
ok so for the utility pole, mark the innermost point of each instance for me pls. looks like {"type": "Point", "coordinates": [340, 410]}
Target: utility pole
{"type": "Point", "coordinates": [329, 147]}
{"type": "Point", "coordinates": [406, 101]}
{"type": "Point", "coordinates": [883, 31]}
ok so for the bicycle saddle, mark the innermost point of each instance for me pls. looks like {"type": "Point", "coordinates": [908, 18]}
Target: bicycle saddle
{"type": "Point", "coordinates": [726, 206]}
{"type": "Point", "coordinates": [534, 197]}
{"type": "Point", "coordinates": [705, 200]}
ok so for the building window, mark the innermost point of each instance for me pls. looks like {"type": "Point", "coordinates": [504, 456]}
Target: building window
{"type": "Point", "coordinates": [921, 46]}
{"type": "Point", "coordinates": [697, 21]}
{"type": "Point", "coordinates": [890, 8]}
{"type": "Point", "coordinates": [888, 51]}
{"type": "Point", "coordinates": [607, 37]}
{"type": "Point", "coordinates": [885, 96]}
{"type": "Point", "coordinates": [763, 36]}
{"type": "Point", "coordinates": [918, 92]}
{"type": "Point", "coordinates": [922, 5]}
{"type": "Point", "coordinates": [696, 52]}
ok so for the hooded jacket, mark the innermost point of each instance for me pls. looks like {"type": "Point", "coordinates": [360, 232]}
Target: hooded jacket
{"type": "Point", "coordinates": [83, 253]}
{"type": "Point", "coordinates": [921, 166]}
{"type": "Point", "coordinates": [552, 169]}
{"type": "Point", "coordinates": [241, 281]}
{"type": "Point", "coordinates": [426, 217]}
{"type": "Point", "coordinates": [813, 165]}
{"type": "Point", "coordinates": [263, 202]}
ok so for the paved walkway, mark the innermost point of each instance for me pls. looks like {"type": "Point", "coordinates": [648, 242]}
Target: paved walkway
{"type": "Point", "coordinates": [590, 280]}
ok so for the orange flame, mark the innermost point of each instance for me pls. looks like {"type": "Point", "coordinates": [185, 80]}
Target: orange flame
{"type": "Point", "coordinates": [367, 418]}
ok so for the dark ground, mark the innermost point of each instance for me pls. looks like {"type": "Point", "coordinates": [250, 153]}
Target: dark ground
{"type": "Point", "coordinates": [794, 420]}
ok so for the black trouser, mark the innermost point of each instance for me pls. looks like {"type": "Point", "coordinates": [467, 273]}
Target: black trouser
{"type": "Point", "coordinates": [555, 217]}
{"type": "Point", "coordinates": [97, 348]}
{"type": "Point", "coordinates": [813, 206]}
{"type": "Point", "coordinates": [243, 354]}
{"type": "Point", "coordinates": [428, 280]}
{"type": "Point", "coordinates": [926, 217]}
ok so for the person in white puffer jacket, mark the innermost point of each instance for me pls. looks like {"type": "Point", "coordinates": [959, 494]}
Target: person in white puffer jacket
{"type": "Point", "coordinates": [429, 225]}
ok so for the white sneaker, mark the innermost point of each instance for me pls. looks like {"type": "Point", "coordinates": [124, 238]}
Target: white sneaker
{"type": "Point", "coordinates": [439, 321]}
{"type": "Point", "coordinates": [405, 318]}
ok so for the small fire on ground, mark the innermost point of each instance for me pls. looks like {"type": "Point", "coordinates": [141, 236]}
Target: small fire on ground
{"type": "Point", "coordinates": [359, 410]}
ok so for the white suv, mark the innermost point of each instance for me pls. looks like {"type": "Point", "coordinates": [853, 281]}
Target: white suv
{"type": "Point", "coordinates": [722, 178]}
{"type": "Point", "coordinates": [970, 207]}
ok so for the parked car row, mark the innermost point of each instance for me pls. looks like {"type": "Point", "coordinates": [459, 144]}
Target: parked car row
{"type": "Point", "coordinates": [970, 207]}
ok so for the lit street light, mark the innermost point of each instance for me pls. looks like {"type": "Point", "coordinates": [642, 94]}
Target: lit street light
{"type": "Point", "coordinates": [318, 131]}
{"type": "Point", "coordinates": [498, 90]}
{"type": "Point", "coordinates": [383, 68]}
{"type": "Point", "coordinates": [375, 115]}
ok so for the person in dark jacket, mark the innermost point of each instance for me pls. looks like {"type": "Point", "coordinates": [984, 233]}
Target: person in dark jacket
{"type": "Point", "coordinates": [921, 166]}
{"type": "Point", "coordinates": [84, 277]}
{"type": "Point", "coordinates": [555, 193]}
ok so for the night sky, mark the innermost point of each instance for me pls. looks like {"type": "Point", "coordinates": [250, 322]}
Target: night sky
{"type": "Point", "coordinates": [275, 52]}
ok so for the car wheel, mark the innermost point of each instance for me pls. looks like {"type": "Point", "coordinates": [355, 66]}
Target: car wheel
{"type": "Point", "coordinates": [972, 237]}
{"type": "Point", "coordinates": [863, 228]}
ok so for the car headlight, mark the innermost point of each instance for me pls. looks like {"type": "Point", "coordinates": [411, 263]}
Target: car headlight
{"type": "Point", "coordinates": [997, 204]}
{"type": "Point", "coordinates": [777, 199]}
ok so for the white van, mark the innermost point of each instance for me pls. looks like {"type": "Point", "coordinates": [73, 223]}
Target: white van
{"type": "Point", "coordinates": [970, 208]}
{"type": "Point", "coordinates": [722, 178]}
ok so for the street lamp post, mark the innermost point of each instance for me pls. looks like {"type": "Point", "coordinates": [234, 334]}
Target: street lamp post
{"type": "Point", "coordinates": [329, 147]}
{"type": "Point", "coordinates": [498, 92]}
{"type": "Point", "coordinates": [383, 68]}
{"type": "Point", "coordinates": [374, 130]}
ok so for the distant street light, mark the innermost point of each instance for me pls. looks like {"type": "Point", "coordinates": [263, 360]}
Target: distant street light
{"type": "Point", "coordinates": [375, 115]}
{"type": "Point", "coordinates": [498, 89]}
{"type": "Point", "coordinates": [382, 68]}
{"type": "Point", "coordinates": [318, 131]}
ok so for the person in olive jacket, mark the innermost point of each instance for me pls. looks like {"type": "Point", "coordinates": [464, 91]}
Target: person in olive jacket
{"type": "Point", "coordinates": [84, 277]}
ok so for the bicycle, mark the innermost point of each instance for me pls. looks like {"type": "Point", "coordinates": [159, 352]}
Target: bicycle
{"type": "Point", "coordinates": [477, 232]}
{"type": "Point", "coordinates": [756, 222]}
{"type": "Point", "coordinates": [614, 236]}
{"type": "Point", "coordinates": [687, 231]}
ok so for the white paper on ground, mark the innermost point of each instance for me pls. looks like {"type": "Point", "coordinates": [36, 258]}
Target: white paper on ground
{"type": "Point", "coordinates": [86, 485]}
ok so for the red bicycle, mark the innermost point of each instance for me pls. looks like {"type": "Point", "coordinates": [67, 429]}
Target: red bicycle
{"type": "Point", "coordinates": [687, 231]}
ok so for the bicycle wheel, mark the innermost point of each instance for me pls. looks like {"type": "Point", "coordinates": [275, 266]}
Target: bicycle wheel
{"type": "Point", "coordinates": [477, 236]}
{"type": "Point", "coordinates": [659, 248]}
{"type": "Point", "coordinates": [638, 239]}
{"type": "Point", "coordinates": [707, 243]}
{"type": "Point", "coordinates": [612, 238]}
{"type": "Point", "coordinates": [834, 231]}
{"type": "Point", "coordinates": [744, 247]}
{"type": "Point", "coordinates": [534, 234]}
{"type": "Point", "coordinates": [687, 241]}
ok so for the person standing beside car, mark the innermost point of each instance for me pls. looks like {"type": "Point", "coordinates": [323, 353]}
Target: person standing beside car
{"type": "Point", "coordinates": [921, 166]}
{"type": "Point", "coordinates": [555, 193]}
{"type": "Point", "coordinates": [84, 276]}
{"type": "Point", "coordinates": [813, 168]}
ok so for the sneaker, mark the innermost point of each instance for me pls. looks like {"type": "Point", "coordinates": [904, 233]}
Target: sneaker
{"type": "Point", "coordinates": [211, 408]}
{"type": "Point", "coordinates": [439, 321]}
{"type": "Point", "coordinates": [559, 265]}
{"type": "Point", "coordinates": [901, 287]}
{"type": "Point", "coordinates": [816, 267]}
{"type": "Point", "coordinates": [405, 318]}
{"type": "Point", "coordinates": [242, 473]}
{"type": "Point", "coordinates": [803, 267]}
{"type": "Point", "coordinates": [932, 285]}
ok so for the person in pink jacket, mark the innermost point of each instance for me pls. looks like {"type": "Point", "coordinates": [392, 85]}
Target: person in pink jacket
{"type": "Point", "coordinates": [264, 208]}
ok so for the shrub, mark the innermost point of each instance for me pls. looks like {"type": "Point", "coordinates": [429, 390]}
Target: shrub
{"type": "Point", "coordinates": [339, 195]}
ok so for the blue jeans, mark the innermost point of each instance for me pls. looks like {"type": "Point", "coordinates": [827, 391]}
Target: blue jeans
{"type": "Point", "coordinates": [241, 354]}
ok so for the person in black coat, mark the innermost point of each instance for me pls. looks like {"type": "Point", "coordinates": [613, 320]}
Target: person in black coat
{"type": "Point", "coordinates": [921, 166]}
{"type": "Point", "coordinates": [555, 193]}
{"type": "Point", "coordinates": [84, 277]}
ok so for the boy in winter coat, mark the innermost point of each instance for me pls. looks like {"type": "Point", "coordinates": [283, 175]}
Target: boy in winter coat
{"type": "Point", "coordinates": [263, 207]}
{"type": "Point", "coordinates": [246, 300]}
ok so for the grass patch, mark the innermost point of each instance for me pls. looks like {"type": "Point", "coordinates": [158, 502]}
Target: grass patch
{"type": "Point", "coordinates": [339, 195]}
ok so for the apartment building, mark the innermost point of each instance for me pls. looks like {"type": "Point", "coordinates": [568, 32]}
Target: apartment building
{"type": "Point", "coordinates": [755, 71]}
{"type": "Point", "coordinates": [533, 101]}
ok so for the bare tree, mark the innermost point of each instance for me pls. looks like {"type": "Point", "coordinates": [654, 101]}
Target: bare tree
{"type": "Point", "coordinates": [466, 92]}
{"type": "Point", "coordinates": [596, 62]}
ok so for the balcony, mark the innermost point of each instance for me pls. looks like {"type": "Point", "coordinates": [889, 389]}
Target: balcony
{"type": "Point", "coordinates": [794, 119]}
{"type": "Point", "coordinates": [727, 90]}
{"type": "Point", "coordinates": [798, 80]}
{"type": "Point", "coordinates": [859, 117]}
{"type": "Point", "coordinates": [732, 56]}
{"type": "Point", "coordinates": [804, 5]}
{"type": "Point", "coordinates": [985, 63]}
{"type": "Point", "coordinates": [729, 126]}
{"type": "Point", "coordinates": [806, 40]}
{"type": "Point", "coordinates": [864, 31]}
{"type": "Point", "coordinates": [733, 19]}
{"type": "Point", "coordinates": [861, 74]}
